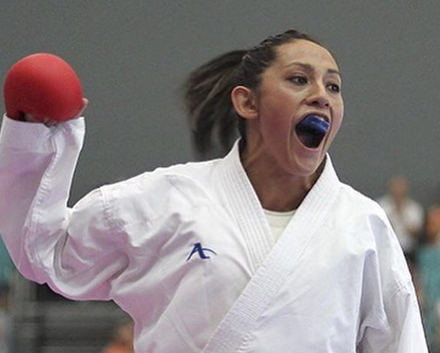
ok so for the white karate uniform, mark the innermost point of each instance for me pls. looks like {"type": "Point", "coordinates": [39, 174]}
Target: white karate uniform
{"type": "Point", "coordinates": [187, 251]}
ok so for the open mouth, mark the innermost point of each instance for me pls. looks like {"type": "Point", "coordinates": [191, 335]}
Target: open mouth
{"type": "Point", "coordinates": [312, 130]}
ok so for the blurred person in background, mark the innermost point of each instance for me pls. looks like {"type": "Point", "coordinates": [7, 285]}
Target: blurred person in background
{"type": "Point", "coordinates": [405, 214]}
{"type": "Point", "coordinates": [7, 267]}
{"type": "Point", "coordinates": [5, 321]}
{"type": "Point", "coordinates": [122, 340]}
{"type": "Point", "coordinates": [428, 264]}
{"type": "Point", "coordinates": [6, 272]}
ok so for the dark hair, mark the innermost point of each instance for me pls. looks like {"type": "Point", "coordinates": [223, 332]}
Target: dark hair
{"type": "Point", "coordinates": [207, 91]}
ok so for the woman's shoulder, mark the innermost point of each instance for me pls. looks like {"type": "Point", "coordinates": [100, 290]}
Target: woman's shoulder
{"type": "Point", "coordinates": [185, 184]}
{"type": "Point", "coordinates": [150, 179]}
{"type": "Point", "coordinates": [366, 220]}
{"type": "Point", "coordinates": [359, 203]}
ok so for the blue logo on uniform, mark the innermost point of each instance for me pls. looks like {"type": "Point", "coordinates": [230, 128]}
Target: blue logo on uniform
{"type": "Point", "coordinates": [201, 251]}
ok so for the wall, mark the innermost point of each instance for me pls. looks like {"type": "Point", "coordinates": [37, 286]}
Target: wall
{"type": "Point", "coordinates": [132, 56]}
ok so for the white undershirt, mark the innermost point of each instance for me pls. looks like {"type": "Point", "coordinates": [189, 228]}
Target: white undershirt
{"type": "Point", "coordinates": [278, 221]}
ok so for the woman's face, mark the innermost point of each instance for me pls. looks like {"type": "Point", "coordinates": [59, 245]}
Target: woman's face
{"type": "Point", "coordinates": [303, 79]}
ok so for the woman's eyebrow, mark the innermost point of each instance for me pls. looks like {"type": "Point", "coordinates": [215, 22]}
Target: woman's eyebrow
{"type": "Point", "coordinates": [309, 67]}
{"type": "Point", "coordinates": [334, 71]}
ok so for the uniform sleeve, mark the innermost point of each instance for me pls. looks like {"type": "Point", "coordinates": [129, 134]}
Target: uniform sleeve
{"type": "Point", "coordinates": [390, 314]}
{"type": "Point", "coordinates": [400, 330]}
{"type": "Point", "coordinates": [76, 251]}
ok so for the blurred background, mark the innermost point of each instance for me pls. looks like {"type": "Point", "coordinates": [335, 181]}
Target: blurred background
{"type": "Point", "coordinates": [132, 57]}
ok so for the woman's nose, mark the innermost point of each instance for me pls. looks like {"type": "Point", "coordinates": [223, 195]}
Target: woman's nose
{"type": "Point", "coordinates": [318, 97]}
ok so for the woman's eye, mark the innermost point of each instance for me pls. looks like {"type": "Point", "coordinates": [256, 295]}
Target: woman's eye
{"type": "Point", "coordinates": [334, 87]}
{"type": "Point", "coordinates": [298, 80]}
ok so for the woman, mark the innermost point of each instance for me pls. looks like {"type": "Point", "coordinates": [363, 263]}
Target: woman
{"type": "Point", "coordinates": [122, 340]}
{"type": "Point", "coordinates": [428, 262]}
{"type": "Point", "coordinates": [188, 251]}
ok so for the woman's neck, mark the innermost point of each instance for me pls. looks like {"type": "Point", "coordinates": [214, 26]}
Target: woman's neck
{"type": "Point", "coordinates": [276, 189]}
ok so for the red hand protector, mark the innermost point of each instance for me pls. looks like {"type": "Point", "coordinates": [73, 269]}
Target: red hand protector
{"type": "Point", "coordinates": [43, 85]}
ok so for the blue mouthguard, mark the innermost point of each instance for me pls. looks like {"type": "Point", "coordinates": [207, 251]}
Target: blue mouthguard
{"type": "Point", "coordinates": [315, 124]}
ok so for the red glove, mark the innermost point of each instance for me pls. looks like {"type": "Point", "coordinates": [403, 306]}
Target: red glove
{"type": "Point", "coordinates": [45, 86]}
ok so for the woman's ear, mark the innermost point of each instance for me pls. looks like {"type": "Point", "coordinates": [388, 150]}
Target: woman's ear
{"type": "Point", "coordinates": [243, 100]}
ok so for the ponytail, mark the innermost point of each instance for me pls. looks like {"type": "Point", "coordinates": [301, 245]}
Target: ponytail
{"type": "Point", "coordinates": [207, 96]}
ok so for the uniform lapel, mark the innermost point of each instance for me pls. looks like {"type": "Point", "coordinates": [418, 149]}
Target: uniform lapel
{"type": "Point", "coordinates": [245, 208]}
{"type": "Point", "coordinates": [273, 263]}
